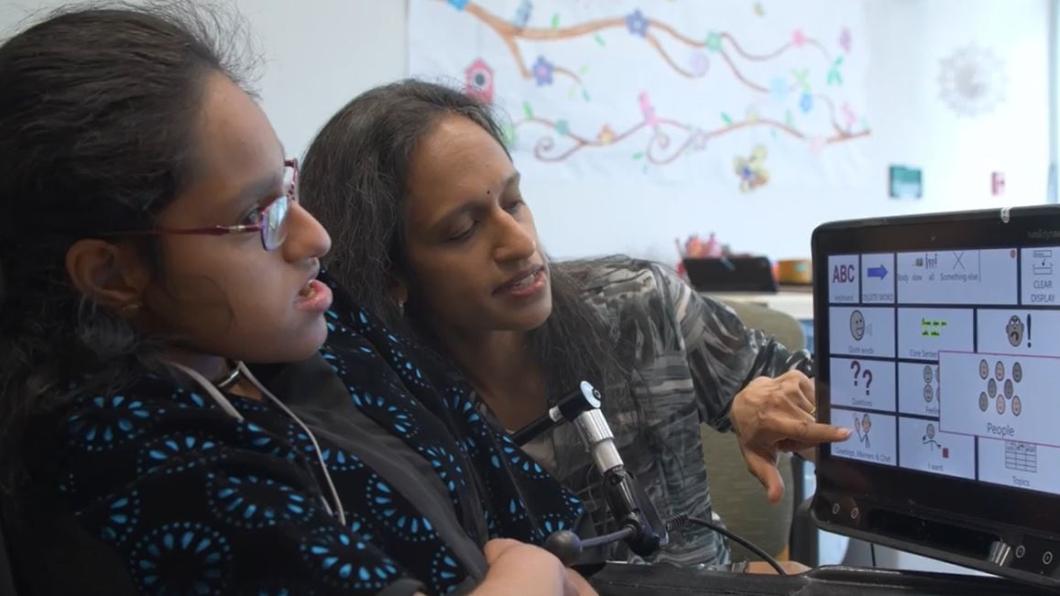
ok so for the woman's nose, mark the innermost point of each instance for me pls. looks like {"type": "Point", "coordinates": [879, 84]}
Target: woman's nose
{"type": "Point", "coordinates": [516, 240]}
{"type": "Point", "coordinates": [306, 237]}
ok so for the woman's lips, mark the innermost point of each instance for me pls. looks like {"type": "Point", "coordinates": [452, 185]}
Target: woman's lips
{"type": "Point", "coordinates": [524, 286]}
{"type": "Point", "coordinates": [315, 297]}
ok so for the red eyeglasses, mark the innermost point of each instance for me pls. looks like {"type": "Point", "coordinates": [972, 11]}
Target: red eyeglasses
{"type": "Point", "coordinates": [270, 220]}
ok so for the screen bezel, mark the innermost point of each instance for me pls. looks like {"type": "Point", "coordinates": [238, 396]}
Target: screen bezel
{"type": "Point", "coordinates": [902, 488]}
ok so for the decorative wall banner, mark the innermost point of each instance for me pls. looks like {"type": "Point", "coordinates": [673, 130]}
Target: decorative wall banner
{"type": "Point", "coordinates": [675, 91]}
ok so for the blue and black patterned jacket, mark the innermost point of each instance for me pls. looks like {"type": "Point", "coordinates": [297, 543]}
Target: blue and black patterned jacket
{"type": "Point", "coordinates": [155, 489]}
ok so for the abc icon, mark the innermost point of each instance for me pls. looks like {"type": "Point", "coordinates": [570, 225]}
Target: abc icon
{"type": "Point", "coordinates": [844, 273]}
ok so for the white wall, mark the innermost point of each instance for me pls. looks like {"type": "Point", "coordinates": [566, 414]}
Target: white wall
{"type": "Point", "coordinates": [317, 54]}
{"type": "Point", "coordinates": [913, 126]}
{"type": "Point", "coordinates": [320, 53]}
{"type": "Point", "coordinates": [910, 126]}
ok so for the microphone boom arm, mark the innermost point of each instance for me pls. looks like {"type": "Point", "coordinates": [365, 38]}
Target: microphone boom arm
{"type": "Point", "coordinates": [629, 506]}
{"type": "Point", "coordinates": [639, 522]}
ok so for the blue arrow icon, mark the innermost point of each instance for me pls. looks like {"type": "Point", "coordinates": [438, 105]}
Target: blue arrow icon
{"type": "Point", "coordinates": [880, 272]}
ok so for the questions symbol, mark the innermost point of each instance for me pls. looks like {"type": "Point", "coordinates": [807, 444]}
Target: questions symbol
{"type": "Point", "coordinates": [865, 374]}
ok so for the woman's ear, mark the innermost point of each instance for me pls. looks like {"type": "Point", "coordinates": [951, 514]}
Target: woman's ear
{"type": "Point", "coordinates": [399, 290]}
{"type": "Point", "coordinates": [111, 275]}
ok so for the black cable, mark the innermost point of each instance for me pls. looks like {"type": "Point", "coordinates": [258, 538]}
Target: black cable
{"type": "Point", "coordinates": [684, 520]}
{"type": "Point", "coordinates": [608, 538]}
{"type": "Point", "coordinates": [872, 551]}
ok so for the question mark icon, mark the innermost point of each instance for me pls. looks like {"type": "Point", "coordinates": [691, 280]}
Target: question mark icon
{"type": "Point", "coordinates": [867, 375]}
{"type": "Point", "coordinates": [856, 367]}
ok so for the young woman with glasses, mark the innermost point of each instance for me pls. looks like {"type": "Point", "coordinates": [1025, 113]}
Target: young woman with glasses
{"type": "Point", "coordinates": [186, 404]}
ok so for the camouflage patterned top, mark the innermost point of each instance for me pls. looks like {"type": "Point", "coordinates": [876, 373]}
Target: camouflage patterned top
{"type": "Point", "coordinates": [693, 355]}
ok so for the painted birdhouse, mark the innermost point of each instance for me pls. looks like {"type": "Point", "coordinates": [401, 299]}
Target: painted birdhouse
{"type": "Point", "coordinates": [478, 81]}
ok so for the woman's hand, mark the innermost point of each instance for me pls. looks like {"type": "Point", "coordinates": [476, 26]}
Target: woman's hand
{"type": "Point", "coordinates": [774, 415]}
{"type": "Point", "coordinates": [521, 569]}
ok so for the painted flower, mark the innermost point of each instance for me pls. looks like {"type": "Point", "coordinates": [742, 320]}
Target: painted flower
{"type": "Point", "coordinates": [714, 42]}
{"type": "Point", "coordinates": [806, 103]}
{"type": "Point", "coordinates": [458, 4]}
{"type": "Point", "coordinates": [752, 170]}
{"type": "Point", "coordinates": [849, 116]}
{"type": "Point", "coordinates": [699, 63]}
{"type": "Point", "coordinates": [845, 39]}
{"type": "Point", "coordinates": [835, 75]}
{"type": "Point", "coordinates": [542, 71]}
{"type": "Point", "coordinates": [606, 135]}
{"type": "Point", "coordinates": [647, 109]}
{"type": "Point", "coordinates": [636, 23]}
{"type": "Point", "coordinates": [798, 38]}
{"type": "Point", "coordinates": [522, 14]}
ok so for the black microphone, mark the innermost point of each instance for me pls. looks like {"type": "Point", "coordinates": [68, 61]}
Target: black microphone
{"type": "Point", "coordinates": [630, 506]}
{"type": "Point", "coordinates": [568, 546]}
{"type": "Point", "coordinates": [566, 410]}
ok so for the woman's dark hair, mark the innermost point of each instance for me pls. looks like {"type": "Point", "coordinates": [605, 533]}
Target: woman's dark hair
{"type": "Point", "coordinates": [354, 180]}
{"type": "Point", "coordinates": [98, 107]}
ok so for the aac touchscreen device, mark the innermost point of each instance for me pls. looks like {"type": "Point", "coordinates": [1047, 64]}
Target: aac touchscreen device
{"type": "Point", "coordinates": [938, 343]}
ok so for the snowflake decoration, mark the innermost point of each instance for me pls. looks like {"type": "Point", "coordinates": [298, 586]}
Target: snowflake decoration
{"type": "Point", "coordinates": [972, 81]}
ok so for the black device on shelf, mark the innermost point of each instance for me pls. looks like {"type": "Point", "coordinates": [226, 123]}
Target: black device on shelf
{"type": "Point", "coordinates": [936, 341]}
{"type": "Point", "coordinates": [731, 274]}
